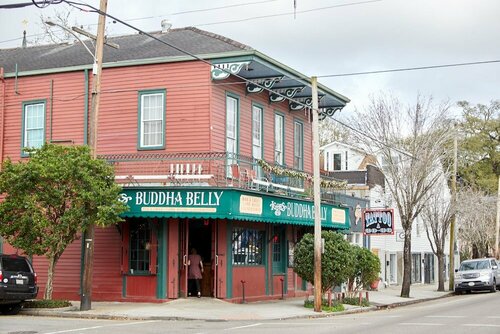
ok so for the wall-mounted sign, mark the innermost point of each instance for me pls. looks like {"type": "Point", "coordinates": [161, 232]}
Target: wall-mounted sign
{"type": "Point", "coordinates": [378, 222]}
{"type": "Point", "coordinates": [400, 235]}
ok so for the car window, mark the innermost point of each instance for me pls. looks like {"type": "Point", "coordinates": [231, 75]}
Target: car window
{"type": "Point", "coordinates": [493, 263]}
{"type": "Point", "coordinates": [475, 265]}
{"type": "Point", "coordinates": [15, 265]}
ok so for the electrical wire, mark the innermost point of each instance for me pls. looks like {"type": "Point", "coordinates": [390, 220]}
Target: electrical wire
{"type": "Point", "coordinates": [410, 69]}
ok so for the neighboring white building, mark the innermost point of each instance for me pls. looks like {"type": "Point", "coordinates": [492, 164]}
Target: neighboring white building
{"type": "Point", "coordinates": [365, 180]}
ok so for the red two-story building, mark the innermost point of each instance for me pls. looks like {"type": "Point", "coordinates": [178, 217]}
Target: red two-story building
{"type": "Point", "coordinates": [211, 154]}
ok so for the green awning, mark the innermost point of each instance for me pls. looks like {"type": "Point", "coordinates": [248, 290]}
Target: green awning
{"type": "Point", "coordinates": [229, 204]}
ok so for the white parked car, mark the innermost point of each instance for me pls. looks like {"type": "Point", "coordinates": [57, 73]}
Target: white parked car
{"type": "Point", "coordinates": [477, 274]}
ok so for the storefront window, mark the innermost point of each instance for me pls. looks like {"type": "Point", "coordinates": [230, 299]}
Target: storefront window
{"type": "Point", "coordinates": [247, 246]}
{"type": "Point", "coordinates": [140, 245]}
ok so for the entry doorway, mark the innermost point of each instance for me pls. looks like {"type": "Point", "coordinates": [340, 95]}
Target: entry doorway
{"type": "Point", "coordinates": [200, 234]}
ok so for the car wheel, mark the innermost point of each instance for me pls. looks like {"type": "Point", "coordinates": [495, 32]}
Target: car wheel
{"type": "Point", "coordinates": [11, 309]}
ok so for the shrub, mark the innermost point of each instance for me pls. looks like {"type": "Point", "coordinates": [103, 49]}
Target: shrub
{"type": "Point", "coordinates": [336, 305]}
{"type": "Point", "coordinates": [46, 303]}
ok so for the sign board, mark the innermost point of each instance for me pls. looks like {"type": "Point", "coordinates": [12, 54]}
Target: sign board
{"type": "Point", "coordinates": [228, 204]}
{"type": "Point", "coordinates": [378, 222]}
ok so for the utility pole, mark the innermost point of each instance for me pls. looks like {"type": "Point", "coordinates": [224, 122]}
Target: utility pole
{"type": "Point", "coordinates": [497, 255]}
{"type": "Point", "coordinates": [317, 197]}
{"type": "Point", "coordinates": [88, 267]}
{"type": "Point", "coordinates": [451, 287]}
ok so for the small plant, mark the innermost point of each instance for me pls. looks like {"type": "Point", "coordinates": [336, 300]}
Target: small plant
{"type": "Point", "coordinates": [355, 301]}
{"type": "Point", "coordinates": [46, 303]}
{"type": "Point", "coordinates": [336, 305]}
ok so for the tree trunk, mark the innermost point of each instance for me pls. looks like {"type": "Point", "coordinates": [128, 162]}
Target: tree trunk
{"type": "Point", "coordinates": [440, 256]}
{"type": "Point", "coordinates": [405, 288]}
{"type": "Point", "coordinates": [50, 277]}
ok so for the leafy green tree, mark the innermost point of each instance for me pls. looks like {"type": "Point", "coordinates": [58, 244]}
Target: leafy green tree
{"type": "Point", "coordinates": [365, 268]}
{"type": "Point", "coordinates": [52, 198]}
{"type": "Point", "coordinates": [335, 261]}
{"type": "Point", "coordinates": [479, 153]}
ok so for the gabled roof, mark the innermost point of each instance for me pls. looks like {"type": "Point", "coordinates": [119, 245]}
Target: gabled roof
{"type": "Point", "coordinates": [225, 55]}
{"type": "Point", "coordinates": [132, 47]}
{"type": "Point", "coordinates": [339, 143]}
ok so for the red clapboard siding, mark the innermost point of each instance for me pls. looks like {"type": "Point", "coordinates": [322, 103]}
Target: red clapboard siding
{"type": "Point", "coordinates": [67, 106]}
{"type": "Point", "coordinates": [187, 106]}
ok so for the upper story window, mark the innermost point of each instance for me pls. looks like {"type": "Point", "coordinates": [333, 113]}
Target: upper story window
{"type": "Point", "coordinates": [152, 119]}
{"type": "Point", "coordinates": [337, 161]}
{"type": "Point", "coordinates": [279, 135]}
{"type": "Point", "coordinates": [232, 105]}
{"type": "Point", "coordinates": [256, 132]}
{"type": "Point", "coordinates": [33, 124]}
{"type": "Point", "coordinates": [298, 146]}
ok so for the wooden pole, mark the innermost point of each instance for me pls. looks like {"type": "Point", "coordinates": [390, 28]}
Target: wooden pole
{"type": "Point", "coordinates": [451, 286]}
{"type": "Point", "coordinates": [497, 255]}
{"type": "Point", "coordinates": [317, 197]}
{"type": "Point", "coordinates": [88, 266]}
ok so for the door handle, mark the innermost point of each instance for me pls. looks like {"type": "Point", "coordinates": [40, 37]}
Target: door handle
{"type": "Point", "coordinates": [184, 260]}
{"type": "Point", "coordinates": [216, 259]}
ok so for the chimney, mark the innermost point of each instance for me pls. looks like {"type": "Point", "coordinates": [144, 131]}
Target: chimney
{"type": "Point", "coordinates": [165, 26]}
{"type": "Point", "coordinates": [24, 39]}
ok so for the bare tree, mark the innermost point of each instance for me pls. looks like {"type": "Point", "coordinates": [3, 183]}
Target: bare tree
{"type": "Point", "coordinates": [330, 131]}
{"type": "Point", "coordinates": [437, 216]}
{"type": "Point", "coordinates": [408, 142]}
{"type": "Point", "coordinates": [476, 223]}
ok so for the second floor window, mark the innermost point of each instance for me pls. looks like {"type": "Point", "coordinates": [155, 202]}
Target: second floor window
{"type": "Point", "coordinates": [151, 119]}
{"type": "Point", "coordinates": [33, 125]}
{"type": "Point", "coordinates": [298, 146]}
{"type": "Point", "coordinates": [256, 132]}
{"type": "Point", "coordinates": [337, 161]}
{"type": "Point", "coordinates": [279, 121]}
{"type": "Point", "coordinates": [231, 130]}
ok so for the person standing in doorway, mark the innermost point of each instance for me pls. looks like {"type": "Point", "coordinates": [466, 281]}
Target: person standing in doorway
{"type": "Point", "coordinates": [195, 271]}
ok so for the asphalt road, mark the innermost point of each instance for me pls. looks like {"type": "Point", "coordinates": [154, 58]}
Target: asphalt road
{"type": "Point", "coordinates": [476, 313]}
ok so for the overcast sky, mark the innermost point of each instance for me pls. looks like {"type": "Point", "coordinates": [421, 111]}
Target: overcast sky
{"type": "Point", "coordinates": [349, 36]}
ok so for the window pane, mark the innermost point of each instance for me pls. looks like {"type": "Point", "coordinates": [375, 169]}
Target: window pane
{"type": "Point", "coordinates": [140, 243]}
{"type": "Point", "coordinates": [298, 146]}
{"type": "Point", "coordinates": [152, 114]}
{"type": "Point", "coordinates": [34, 125]}
{"type": "Point", "coordinates": [247, 246]}
{"type": "Point", "coordinates": [278, 139]}
{"type": "Point", "coordinates": [337, 161]}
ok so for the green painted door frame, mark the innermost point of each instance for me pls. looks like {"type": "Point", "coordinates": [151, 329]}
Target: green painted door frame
{"type": "Point", "coordinates": [162, 274]}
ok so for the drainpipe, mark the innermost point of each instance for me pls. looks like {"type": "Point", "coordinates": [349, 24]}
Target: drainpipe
{"type": "Point", "coordinates": [2, 117]}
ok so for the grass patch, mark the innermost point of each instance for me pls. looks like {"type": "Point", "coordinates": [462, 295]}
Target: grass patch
{"type": "Point", "coordinates": [46, 303]}
{"type": "Point", "coordinates": [336, 306]}
{"type": "Point", "coordinates": [355, 301]}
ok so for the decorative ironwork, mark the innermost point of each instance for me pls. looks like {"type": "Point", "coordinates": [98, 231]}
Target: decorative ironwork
{"type": "Point", "coordinates": [300, 103]}
{"type": "Point", "coordinates": [281, 94]}
{"type": "Point", "coordinates": [222, 71]}
{"type": "Point", "coordinates": [269, 82]}
{"type": "Point", "coordinates": [328, 112]}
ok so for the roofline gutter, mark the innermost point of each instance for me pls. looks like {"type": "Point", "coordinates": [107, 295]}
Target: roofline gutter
{"type": "Point", "coordinates": [159, 60]}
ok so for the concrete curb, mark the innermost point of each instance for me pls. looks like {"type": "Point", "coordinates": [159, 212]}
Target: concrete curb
{"type": "Point", "coordinates": [73, 312]}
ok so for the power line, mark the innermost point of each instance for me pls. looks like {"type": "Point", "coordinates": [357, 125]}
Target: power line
{"type": "Point", "coordinates": [410, 69]}
{"type": "Point", "coordinates": [287, 13]}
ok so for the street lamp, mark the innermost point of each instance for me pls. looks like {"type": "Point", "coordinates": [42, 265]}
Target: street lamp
{"type": "Point", "coordinates": [53, 24]}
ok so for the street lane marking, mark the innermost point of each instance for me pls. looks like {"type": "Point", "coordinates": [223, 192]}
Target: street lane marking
{"type": "Point", "coordinates": [321, 324]}
{"type": "Point", "coordinates": [480, 325]}
{"type": "Point", "coordinates": [420, 324]}
{"type": "Point", "coordinates": [493, 317]}
{"type": "Point", "coordinates": [240, 327]}
{"type": "Point", "coordinates": [102, 326]}
{"type": "Point", "coordinates": [446, 316]}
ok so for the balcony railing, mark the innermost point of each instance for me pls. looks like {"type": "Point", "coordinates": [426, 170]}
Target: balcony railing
{"type": "Point", "coordinates": [214, 169]}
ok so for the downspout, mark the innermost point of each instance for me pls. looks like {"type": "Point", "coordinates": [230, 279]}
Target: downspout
{"type": "Point", "coordinates": [51, 107]}
{"type": "Point", "coordinates": [2, 117]}
{"type": "Point", "coordinates": [86, 108]}
{"type": "Point", "coordinates": [15, 82]}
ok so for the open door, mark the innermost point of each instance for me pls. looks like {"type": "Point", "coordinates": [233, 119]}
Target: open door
{"type": "Point", "coordinates": [184, 252]}
{"type": "Point", "coordinates": [215, 257]}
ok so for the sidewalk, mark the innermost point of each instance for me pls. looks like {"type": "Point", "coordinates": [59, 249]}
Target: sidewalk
{"type": "Point", "coordinates": [215, 309]}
